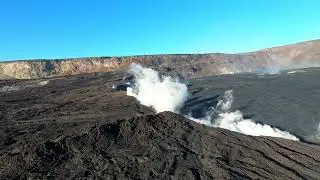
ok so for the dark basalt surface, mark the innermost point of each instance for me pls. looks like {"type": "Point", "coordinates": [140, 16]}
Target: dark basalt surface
{"type": "Point", "coordinates": [163, 146]}
{"type": "Point", "coordinates": [86, 127]}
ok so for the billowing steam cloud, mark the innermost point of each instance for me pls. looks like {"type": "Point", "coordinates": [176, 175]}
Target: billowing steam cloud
{"type": "Point", "coordinates": [162, 93]}
{"type": "Point", "coordinates": [168, 94]}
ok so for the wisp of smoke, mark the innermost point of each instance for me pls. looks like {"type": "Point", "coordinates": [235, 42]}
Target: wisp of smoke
{"type": "Point", "coordinates": [269, 70]}
{"type": "Point", "coordinates": [225, 103]}
{"type": "Point", "coordinates": [167, 94]}
{"type": "Point", "coordinates": [315, 137]}
{"type": "Point", "coordinates": [42, 83]}
{"type": "Point", "coordinates": [163, 93]}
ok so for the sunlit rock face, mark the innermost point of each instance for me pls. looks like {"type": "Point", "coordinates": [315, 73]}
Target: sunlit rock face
{"type": "Point", "coordinates": [53, 68]}
{"type": "Point", "coordinates": [306, 54]}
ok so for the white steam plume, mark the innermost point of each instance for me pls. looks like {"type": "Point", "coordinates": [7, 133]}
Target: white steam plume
{"type": "Point", "coordinates": [167, 94]}
{"type": "Point", "coordinates": [162, 93]}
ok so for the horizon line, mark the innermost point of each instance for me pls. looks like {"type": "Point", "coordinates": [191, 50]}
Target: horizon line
{"type": "Point", "coordinates": [141, 55]}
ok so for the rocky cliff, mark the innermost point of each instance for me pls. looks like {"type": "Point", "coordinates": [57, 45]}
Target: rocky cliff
{"type": "Point", "coordinates": [299, 55]}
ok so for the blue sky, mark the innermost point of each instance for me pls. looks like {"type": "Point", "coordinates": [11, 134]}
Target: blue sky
{"type": "Point", "coordinates": [73, 28]}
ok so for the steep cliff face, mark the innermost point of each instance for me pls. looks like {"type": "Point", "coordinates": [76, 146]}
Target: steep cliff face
{"type": "Point", "coordinates": [304, 54]}
{"type": "Point", "coordinates": [52, 68]}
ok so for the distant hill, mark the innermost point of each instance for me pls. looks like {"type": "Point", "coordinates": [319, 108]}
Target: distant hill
{"type": "Point", "coordinates": [300, 55]}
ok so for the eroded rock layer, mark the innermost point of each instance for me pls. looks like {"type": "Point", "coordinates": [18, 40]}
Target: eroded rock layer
{"type": "Point", "coordinates": [299, 55]}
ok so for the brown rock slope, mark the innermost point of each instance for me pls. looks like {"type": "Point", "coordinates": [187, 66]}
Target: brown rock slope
{"type": "Point", "coordinates": [163, 146]}
{"type": "Point", "coordinates": [304, 54]}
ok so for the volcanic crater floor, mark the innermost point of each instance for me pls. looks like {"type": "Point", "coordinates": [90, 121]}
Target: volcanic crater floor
{"type": "Point", "coordinates": [85, 126]}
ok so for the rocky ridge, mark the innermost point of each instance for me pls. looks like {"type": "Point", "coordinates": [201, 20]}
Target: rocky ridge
{"type": "Point", "coordinates": [299, 55]}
